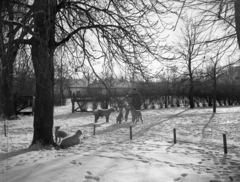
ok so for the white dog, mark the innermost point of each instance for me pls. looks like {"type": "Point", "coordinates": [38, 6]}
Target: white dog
{"type": "Point", "coordinates": [59, 134]}
{"type": "Point", "coordinates": [102, 112]}
{"type": "Point", "coordinates": [72, 140]}
{"type": "Point", "coordinates": [120, 116]}
{"type": "Point", "coordinates": [136, 115]}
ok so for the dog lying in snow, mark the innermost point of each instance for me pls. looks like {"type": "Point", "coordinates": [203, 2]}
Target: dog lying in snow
{"type": "Point", "coordinates": [72, 140]}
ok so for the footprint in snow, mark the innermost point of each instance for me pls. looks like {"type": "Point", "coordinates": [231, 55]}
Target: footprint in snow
{"type": "Point", "coordinates": [96, 178]}
{"type": "Point", "coordinates": [75, 162]}
{"type": "Point", "coordinates": [19, 163]}
{"type": "Point", "coordinates": [145, 161]}
{"type": "Point", "coordinates": [184, 174]}
{"type": "Point", "coordinates": [166, 162]}
{"type": "Point", "coordinates": [90, 176]}
{"type": "Point", "coordinates": [89, 172]}
{"type": "Point", "coordinates": [8, 167]}
{"type": "Point", "coordinates": [177, 179]}
{"type": "Point", "coordinates": [140, 157]}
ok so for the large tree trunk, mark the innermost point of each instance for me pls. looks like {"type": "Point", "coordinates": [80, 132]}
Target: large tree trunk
{"type": "Point", "coordinates": [190, 90]}
{"type": "Point", "coordinates": [191, 97]}
{"type": "Point", "coordinates": [237, 19]}
{"type": "Point", "coordinates": [190, 93]}
{"type": "Point", "coordinates": [1, 56]}
{"type": "Point", "coordinates": [43, 115]}
{"type": "Point", "coordinates": [214, 90]}
{"type": "Point", "coordinates": [7, 56]}
{"type": "Point", "coordinates": [42, 57]}
{"type": "Point", "coordinates": [7, 86]}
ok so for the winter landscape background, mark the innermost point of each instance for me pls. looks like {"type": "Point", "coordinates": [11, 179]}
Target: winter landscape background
{"type": "Point", "coordinates": [110, 155]}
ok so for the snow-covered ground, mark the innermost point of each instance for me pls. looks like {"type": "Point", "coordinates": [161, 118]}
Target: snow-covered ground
{"type": "Point", "coordinates": [110, 155]}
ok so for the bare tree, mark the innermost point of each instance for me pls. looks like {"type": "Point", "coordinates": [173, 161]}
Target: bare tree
{"type": "Point", "coordinates": [9, 32]}
{"type": "Point", "coordinates": [99, 30]}
{"type": "Point", "coordinates": [230, 81]}
{"type": "Point", "coordinates": [191, 52]}
{"type": "Point", "coordinates": [23, 73]}
{"type": "Point", "coordinates": [237, 19]}
{"type": "Point", "coordinates": [221, 15]}
{"type": "Point", "coordinates": [214, 71]}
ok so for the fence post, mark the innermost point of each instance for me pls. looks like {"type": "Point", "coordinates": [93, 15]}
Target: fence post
{"type": "Point", "coordinates": [73, 102]}
{"type": "Point", "coordinates": [131, 132]}
{"type": "Point", "coordinates": [225, 143]}
{"type": "Point", "coordinates": [174, 136]}
{"type": "Point", "coordinates": [94, 129]}
{"type": "Point", "coordinates": [5, 130]}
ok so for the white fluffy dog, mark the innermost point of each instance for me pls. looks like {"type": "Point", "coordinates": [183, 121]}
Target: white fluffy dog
{"type": "Point", "coordinates": [120, 116]}
{"type": "Point", "coordinates": [102, 112]}
{"type": "Point", "coordinates": [72, 140]}
{"type": "Point", "coordinates": [136, 115]}
{"type": "Point", "coordinates": [59, 134]}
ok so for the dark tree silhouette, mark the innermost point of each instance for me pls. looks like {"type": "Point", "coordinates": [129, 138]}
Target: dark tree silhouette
{"type": "Point", "coordinates": [108, 31]}
{"type": "Point", "coordinates": [221, 15]}
{"type": "Point", "coordinates": [9, 32]}
{"type": "Point", "coordinates": [191, 52]}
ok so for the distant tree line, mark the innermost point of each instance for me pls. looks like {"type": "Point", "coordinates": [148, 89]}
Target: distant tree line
{"type": "Point", "coordinates": [228, 87]}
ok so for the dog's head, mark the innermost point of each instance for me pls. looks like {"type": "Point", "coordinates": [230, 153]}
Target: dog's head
{"type": "Point", "coordinates": [112, 109]}
{"type": "Point", "coordinates": [120, 108]}
{"type": "Point", "coordinates": [78, 133]}
{"type": "Point", "coordinates": [130, 107]}
{"type": "Point", "coordinates": [57, 127]}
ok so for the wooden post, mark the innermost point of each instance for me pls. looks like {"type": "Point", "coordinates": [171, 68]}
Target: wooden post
{"type": "Point", "coordinates": [94, 129]}
{"type": "Point", "coordinates": [5, 128]}
{"type": "Point", "coordinates": [174, 136]}
{"type": "Point", "coordinates": [73, 102]}
{"type": "Point", "coordinates": [130, 132]}
{"type": "Point", "coordinates": [33, 105]}
{"type": "Point", "coordinates": [225, 143]}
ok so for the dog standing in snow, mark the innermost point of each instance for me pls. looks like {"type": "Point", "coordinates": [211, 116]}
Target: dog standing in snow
{"type": "Point", "coordinates": [120, 116]}
{"type": "Point", "coordinates": [102, 112]}
{"type": "Point", "coordinates": [136, 115]}
{"type": "Point", "coordinates": [126, 113]}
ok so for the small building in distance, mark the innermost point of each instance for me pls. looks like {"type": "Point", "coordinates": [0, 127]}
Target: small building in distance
{"type": "Point", "coordinates": [78, 87]}
{"type": "Point", "coordinates": [81, 88]}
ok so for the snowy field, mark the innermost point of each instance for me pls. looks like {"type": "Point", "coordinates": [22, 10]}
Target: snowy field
{"type": "Point", "coordinates": [110, 155]}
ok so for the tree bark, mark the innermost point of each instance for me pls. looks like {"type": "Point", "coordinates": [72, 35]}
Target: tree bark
{"type": "Point", "coordinates": [214, 89]}
{"type": "Point", "coordinates": [43, 115]}
{"type": "Point", "coordinates": [190, 93]}
{"type": "Point", "coordinates": [237, 19]}
{"type": "Point", "coordinates": [191, 98]}
{"type": "Point", "coordinates": [7, 86]}
{"type": "Point", "coordinates": [7, 55]}
{"type": "Point", "coordinates": [42, 57]}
